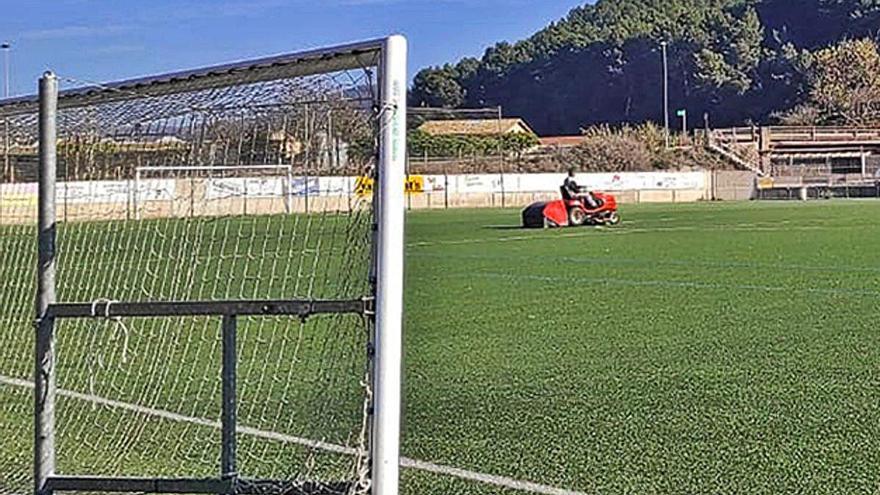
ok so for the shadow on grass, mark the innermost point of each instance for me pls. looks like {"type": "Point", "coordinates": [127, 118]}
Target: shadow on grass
{"type": "Point", "coordinates": [504, 227]}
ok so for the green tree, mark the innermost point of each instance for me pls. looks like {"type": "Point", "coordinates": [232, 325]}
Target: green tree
{"type": "Point", "coordinates": [438, 87]}
{"type": "Point", "coordinates": [846, 83]}
{"type": "Point", "coordinates": [738, 60]}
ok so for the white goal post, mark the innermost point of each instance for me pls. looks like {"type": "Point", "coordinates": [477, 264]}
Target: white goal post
{"type": "Point", "coordinates": [390, 265]}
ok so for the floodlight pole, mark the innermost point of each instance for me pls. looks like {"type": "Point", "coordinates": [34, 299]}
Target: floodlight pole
{"type": "Point", "coordinates": [44, 362]}
{"type": "Point", "coordinates": [6, 46]}
{"type": "Point", "coordinates": [388, 370]}
{"type": "Point", "coordinates": [501, 156]}
{"type": "Point", "coordinates": [663, 45]}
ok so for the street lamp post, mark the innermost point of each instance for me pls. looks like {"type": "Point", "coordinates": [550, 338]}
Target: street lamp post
{"type": "Point", "coordinates": [665, 94]}
{"type": "Point", "coordinates": [6, 46]}
{"type": "Point", "coordinates": [7, 168]}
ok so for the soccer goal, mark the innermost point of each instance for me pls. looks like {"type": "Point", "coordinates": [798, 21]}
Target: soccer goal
{"type": "Point", "coordinates": [216, 311]}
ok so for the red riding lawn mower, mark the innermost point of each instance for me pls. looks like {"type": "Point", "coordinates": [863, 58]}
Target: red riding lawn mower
{"type": "Point", "coordinates": [571, 212]}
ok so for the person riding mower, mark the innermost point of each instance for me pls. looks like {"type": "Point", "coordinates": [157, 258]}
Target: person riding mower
{"type": "Point", "coordinates": [578, 207]}
{"type": "Point", "coordinates": [572, 191]}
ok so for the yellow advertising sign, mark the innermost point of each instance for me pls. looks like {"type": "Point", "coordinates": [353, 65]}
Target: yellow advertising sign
{"type": "Point", "coordinates": [765, 183]}
{"type": "Point", "coordinates": [414, 184]}
{"type": "Point", "coordinates": [363, 186]}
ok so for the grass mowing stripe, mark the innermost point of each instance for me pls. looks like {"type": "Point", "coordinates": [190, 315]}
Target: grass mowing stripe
{"type": "Point", "coordinates": [666, 262]}
{"type": "Point", "coordinates": [490, 479]}
{"type": "Point", "coordinates": [623, 230]}
{"type": "Point", "coordinates": [669, 284]}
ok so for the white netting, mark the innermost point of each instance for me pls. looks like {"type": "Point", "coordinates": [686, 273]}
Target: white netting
{"type": "Point", "coordinates": [244, 188]}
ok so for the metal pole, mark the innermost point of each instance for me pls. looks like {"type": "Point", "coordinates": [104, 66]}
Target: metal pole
{"type": "Point", "coordinates": [288, 191]}
{"type": "Point", "coordinates": [331, 140]}
{"type": "Point", "coordinates": [407, 190]}
{"type": "Point", "coordinates": [445, 188]}
{"type": "Point", "coordinates": [501, 157]}
{"type": "Point", "coordinates": [864, 161]}
{"type": "Point", "coordinates": [228, 420]}
{"type": "Point", "coordinates": [6, 46]}
{"type": "Point", "coordinates": [665, 95]}
{"type": "Point", "coordinates": [137, 185]}
{"type": "Point", "coordinates": [244, 196]}
{"type": "Point", "coordinates": [44, 362]}
{"type": "Point", "coordinates": [684, 124]}
{"type": "Point", "coordinates": [308, 157]}
{"type": "Point", "coordinates": [706, 128]}
{"type": "Point", "coordinates": [6, 167]}
{"type": "Point", "coordinates": [389, 271]}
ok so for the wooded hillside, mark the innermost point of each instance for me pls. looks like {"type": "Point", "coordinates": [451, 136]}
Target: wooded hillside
{"type": "Point", "coordinates": [739, 61]}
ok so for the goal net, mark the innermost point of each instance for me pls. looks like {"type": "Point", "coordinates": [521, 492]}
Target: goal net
{"type": "Point", "coordinates": [188, 197]}
{"type": "Point", "coordinates": [217, 191]}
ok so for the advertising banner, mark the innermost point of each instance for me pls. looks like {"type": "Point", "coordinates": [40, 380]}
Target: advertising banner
{"type": "Point", "coordinates": [251, 187]}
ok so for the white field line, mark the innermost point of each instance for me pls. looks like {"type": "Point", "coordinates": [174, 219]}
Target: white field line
{"type": "Point", "coordinates": [171, 416]}
{"type": "Point", "coordinates": [489, 479]}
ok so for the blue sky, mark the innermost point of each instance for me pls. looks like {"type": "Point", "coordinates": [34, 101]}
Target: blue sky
{"type": "Point", "coordinates": [103, 40]}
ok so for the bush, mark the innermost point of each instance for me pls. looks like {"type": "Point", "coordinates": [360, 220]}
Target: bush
{"type": "Point", "coordinates": [608, 150]}
{"type": "Point", "coordinates": [636, 149]}
{"type": "Point", "coordinates": [422, 143]}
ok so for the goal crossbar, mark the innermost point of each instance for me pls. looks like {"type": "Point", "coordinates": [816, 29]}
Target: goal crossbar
{"type": "Point", "coordinates": [208, 168]}
{"type": "Point", "coordinates": [298, 64]}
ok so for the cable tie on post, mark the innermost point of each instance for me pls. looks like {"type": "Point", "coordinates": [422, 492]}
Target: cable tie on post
{"type": "Point", "coordinates": [369, 305]}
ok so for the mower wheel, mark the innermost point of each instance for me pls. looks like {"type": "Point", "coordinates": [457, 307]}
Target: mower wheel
{"type": "Point", "coordinates": [613, 218]}
{"type": "Point", "coordinates": [576, 216]}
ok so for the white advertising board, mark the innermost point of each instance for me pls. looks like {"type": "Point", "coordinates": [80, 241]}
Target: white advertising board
{"type": "Point", "coordinates": [530, 183]}
{"type": "Point", "coordinates": [110, 192]}
{"type": "Point", "coordinates": [251, 187]}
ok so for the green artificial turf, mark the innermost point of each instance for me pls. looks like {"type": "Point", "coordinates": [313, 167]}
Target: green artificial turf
{"type": "Point", "coordinates": [706, 348]}
{"type": "Point", "coordinates": [701, 348]}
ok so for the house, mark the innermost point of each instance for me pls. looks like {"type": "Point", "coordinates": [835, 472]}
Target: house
{"type": "Point", "coordinates": [475, 127]}
{"type": "Point", "coordinates": [287, 144]}
{"type": "Point", "coordinates": [326, 151]}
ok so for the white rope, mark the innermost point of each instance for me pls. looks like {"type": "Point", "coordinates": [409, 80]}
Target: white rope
{"type": "Point", "coordinates": [121, 327]}
{"type": "Point", "coordinates": [362, 464]}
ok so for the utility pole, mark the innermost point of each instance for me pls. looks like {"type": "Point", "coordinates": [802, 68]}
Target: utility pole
{"type": "Point", "coordinates": [6, 46]}
{"type": "Point", "coordinates": [663, 45]}
{"type": "Point", "coordinates": [7, 169]}
{"type": "Point", "coordinates": [501, 156]}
